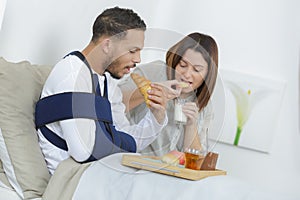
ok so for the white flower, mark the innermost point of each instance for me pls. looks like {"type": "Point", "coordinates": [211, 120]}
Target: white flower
{"type": "Point", "coordinates": [245, 103]}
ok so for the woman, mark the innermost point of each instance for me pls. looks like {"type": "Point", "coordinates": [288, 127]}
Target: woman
{"type": "Point", "coordinates": [193, 60]}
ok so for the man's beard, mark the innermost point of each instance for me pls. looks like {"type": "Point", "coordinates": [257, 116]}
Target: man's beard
{"type": "Point", "coordinates": [111, 70]}
{"type": "Point", "coordinates": [114, 75]}
{"type": "Point", "coordinates": [110, 65]}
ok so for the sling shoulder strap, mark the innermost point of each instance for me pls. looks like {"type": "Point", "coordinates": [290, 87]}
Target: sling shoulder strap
{"type": "Point", "coordinates": [94, 77]}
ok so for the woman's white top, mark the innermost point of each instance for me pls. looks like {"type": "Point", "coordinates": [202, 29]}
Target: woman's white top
{"type": "Point", "coordinates": [171, 136]}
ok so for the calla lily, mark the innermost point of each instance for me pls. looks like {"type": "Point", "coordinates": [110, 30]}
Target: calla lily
{"type": "Point", "coordinates": [245, 102]}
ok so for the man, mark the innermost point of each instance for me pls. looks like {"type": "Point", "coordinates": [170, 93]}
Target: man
{"type": "Point", "coordinates": [73, 116]}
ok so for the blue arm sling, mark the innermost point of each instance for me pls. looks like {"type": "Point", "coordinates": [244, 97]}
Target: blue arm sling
{"type": "Point", "coordinates": [71, 105]}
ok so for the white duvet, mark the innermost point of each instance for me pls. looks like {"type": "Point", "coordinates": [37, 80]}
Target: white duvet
{"type": "Point", "coordinates": [108, 179]}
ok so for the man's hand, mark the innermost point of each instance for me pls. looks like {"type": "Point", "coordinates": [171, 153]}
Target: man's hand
{"type": "Point", "coordinates": [158, 102]}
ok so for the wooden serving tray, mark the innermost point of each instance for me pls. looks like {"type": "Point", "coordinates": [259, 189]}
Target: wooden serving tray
{"type": "Point", "coordinates": [154, 164]}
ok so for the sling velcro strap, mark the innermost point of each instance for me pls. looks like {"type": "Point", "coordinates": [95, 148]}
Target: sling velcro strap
{"type": "Point", "coordinates": [71, 105]}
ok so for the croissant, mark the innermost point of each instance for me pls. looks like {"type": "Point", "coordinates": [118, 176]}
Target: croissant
{"type": "Point", "coordinates": [143, 84]}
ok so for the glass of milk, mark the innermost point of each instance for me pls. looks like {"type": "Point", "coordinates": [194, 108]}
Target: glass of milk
{"type": "Point", "coordinates": [179, 116]}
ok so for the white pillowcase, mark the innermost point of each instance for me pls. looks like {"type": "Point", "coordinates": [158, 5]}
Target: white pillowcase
{"type": "Point", "coordinates": [8, 168]}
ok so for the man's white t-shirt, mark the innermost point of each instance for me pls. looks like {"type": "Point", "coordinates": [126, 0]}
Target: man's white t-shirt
{"type": "Point", "coordinates": [72, 75]}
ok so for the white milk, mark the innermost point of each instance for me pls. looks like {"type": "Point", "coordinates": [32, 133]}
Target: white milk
{"type": "Point", "coordinates": [179, 116]}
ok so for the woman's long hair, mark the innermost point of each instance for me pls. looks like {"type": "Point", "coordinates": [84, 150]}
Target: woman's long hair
{"type": "Point", "coordinates": [205, 45]}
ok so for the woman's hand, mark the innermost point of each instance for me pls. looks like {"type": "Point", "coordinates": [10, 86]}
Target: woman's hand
{"type": "Point", "coordinates": [172, 88]}
{"type": "Point", "coordinates": [191, 110]}
{"type": "Point", "coordinates": [191, 137]}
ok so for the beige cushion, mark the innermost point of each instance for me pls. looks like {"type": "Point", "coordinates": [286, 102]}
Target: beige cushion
{"type": "Point", "coordinates": [20, 87]}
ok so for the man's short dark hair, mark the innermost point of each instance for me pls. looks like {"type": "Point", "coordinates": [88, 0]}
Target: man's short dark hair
{"type": "Point", "coordinates": [116, 21]}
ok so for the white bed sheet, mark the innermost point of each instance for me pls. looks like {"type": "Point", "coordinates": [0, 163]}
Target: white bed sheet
{"type": "Point", "coordinates": [108, 179]}
{"type": "Point", "coordinates": [8, 194]}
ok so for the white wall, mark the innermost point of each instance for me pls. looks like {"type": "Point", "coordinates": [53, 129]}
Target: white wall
{"type": "Point", "coordinates": [2, 9]}
{"type": "Point", "coordinates": [254, 36]}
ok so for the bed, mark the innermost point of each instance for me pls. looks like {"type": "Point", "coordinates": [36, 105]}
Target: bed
{"type": "Point", "coordinates": [24, 175]}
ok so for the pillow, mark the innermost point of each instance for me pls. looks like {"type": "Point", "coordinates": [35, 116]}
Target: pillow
{"type": "Point", "coordinates": [8, 168]}
{"type": "Point", "coordinates": [3, 179]}
{"type": "Point", "coordinates": [23, 162]}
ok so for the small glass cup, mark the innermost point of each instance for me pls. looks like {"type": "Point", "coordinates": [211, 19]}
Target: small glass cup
{"type": "Point", "coordinates": [193, 158]}
{"type": "Point", "coordinates": [179, 116]}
